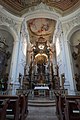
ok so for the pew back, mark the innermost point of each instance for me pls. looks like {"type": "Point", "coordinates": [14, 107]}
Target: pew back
{"type": "Point", "coordinates": [3, 107]}
{"type": "Point", "coordinates": [72, 111]}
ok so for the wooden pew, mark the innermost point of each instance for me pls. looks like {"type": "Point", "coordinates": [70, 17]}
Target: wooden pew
{"type": "Point", "coordinates": [3, 108]}
{"type": "Point", "coordinates": [60, 102]}
{"type": "Point", "coordinates": [26, 99]}
{"type": "Point", "coordinates": [72, 109]}
{"type": "Point", "coordinates": [13, 107]}
{"type": "Point", "coordinates": [57, 102]}
{"type": "Point", "coordinates": [61, 106]}
{"type": "Point", "coordinates": [18, 104]}
{"type": "Point", "coordinates": [23, 102]}
{"type": "Point", "coordinates": [22, 94]}
{"type": "Point", "coordinates": [22, 107]}
{"type": "Point", "coordinates": [67, 106]}
{"type": "Point", "coordinates": [78, 103]}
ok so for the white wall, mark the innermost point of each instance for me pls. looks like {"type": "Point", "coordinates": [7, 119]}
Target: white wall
{"type": "Point", "coordinates": [69, 24]}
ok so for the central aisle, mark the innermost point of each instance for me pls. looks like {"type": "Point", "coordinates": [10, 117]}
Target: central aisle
{"type": "Point", "coordinates": [42, 113]}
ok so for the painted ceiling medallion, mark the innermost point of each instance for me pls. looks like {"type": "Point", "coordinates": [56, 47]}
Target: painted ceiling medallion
{"type": "Point", "coordinates": [41, 26]}
{"type": "Point", "coordinates": [41, 29]}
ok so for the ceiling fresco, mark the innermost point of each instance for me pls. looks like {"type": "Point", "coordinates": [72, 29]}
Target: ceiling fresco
{"type": "Point", "coordinates": [19, 6]}
{"type": "Point", "coordinates": [41, 27]}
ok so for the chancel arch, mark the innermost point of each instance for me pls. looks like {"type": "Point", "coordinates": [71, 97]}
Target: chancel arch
{"type": "Point", "coordinates": [40, 52]}
{"type": "Point", "coordinates": [41, 22]}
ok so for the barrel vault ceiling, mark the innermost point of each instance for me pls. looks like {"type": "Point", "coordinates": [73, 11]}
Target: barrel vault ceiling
{"type": "Point", "coordinates": [19, 7]}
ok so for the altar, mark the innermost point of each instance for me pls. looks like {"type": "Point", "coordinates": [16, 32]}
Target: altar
{"type": "Point", "coordinates": [41, 91]}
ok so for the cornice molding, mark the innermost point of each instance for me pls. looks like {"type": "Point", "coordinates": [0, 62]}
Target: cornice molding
{"type": "Point", "coordinates": [70, 21]}
{"type": "Point", "coordinates": [17, 19]}
{"type": "Point", "coordinates": [9, 20]}
{"type": "Point", "coordinates": [70, 16]}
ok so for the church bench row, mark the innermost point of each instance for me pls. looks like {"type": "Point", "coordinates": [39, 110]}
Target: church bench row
{"type": "Point", "coordinates": [17, 106]}
{"type": "Point", "coordinates": [25, 93]}
{"type": "Point", "coordinates": [57, 95]}
{"type": "Point", "coordinates": [72, 110]}
{"type": "Point", "coordinates": [68, 106]}
{"type": "Point", "coordinates": [3, 108]}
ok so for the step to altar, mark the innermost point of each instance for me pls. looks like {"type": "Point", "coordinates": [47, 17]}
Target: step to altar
{"type": "Point", "coordinates": [41, 102]}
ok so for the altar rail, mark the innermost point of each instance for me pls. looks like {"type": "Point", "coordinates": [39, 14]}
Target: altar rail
{"type": "Point", "coordinates": [49, 95]}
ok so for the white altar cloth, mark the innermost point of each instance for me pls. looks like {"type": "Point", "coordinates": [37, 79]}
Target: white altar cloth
{"type": "Point", "coordinates": [41, 88]}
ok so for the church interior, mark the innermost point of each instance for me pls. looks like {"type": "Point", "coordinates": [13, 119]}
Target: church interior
{"type": "Point", "coordinates": [40, 57]}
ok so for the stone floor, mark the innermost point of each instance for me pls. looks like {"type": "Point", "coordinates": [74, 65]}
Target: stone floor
{"type": "Point", "coordinates": [42, 113]}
